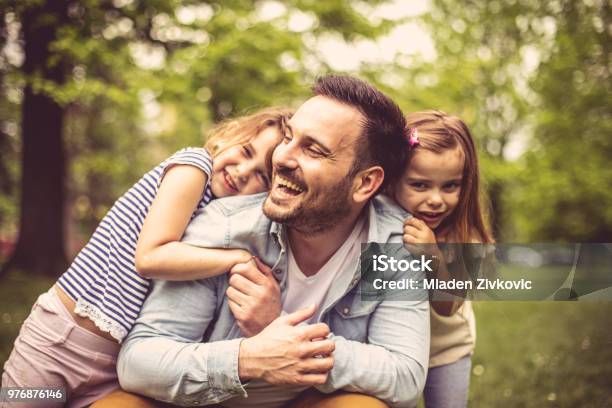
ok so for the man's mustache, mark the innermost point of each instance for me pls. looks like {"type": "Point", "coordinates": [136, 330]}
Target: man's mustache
{"type": "Point", "coordinates": [290, 175]}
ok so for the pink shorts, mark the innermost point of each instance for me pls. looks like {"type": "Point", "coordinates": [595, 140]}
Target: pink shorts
{"type": "Point", "coordinates": [53, 351]}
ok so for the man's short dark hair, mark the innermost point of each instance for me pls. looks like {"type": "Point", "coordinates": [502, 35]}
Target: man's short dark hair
{"type": "Point", "coordinates": [383, 140]}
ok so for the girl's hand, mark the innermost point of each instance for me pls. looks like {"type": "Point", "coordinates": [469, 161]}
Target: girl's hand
{"type": "Point", "coordinates": [242, 256]}
{"type": "Point", "coordinates": [419, 238]}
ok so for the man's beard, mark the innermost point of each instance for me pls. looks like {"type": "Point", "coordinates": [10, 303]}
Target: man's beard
{"type": "Point", "coordinates": [323, 210]}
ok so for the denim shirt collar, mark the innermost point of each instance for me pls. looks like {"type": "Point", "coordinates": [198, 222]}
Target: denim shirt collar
{"type": "Point", "coordinates": [347, 279]}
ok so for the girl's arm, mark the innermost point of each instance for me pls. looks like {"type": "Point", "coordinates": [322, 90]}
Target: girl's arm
{"type": "Point", "coordinates": [446, 307]}
{"type": "Point", "coordinates": [159, 252]}
{"type": "Point", "coordinates": [420, 239]}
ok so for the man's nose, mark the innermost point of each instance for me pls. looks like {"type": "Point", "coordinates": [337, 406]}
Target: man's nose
{"type": "Point", "coordinates": [285, 155]}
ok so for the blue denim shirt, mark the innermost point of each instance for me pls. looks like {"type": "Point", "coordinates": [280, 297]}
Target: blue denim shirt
{"type": "Point", "coordinates": [184, 346]}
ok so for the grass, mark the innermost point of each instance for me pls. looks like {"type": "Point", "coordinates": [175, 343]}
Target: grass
{"type": "Point", "coordinates": [528, 354]}
{"type": "Point", "coordinates": [542, 354]}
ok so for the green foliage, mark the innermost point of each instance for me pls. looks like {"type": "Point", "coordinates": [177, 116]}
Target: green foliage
{"type": "Point", "coordinates": [532, 80]}
{"type": "Point", "coordinates": [568, 174]}
{"type": "Point", "coordinates": [145, 78]}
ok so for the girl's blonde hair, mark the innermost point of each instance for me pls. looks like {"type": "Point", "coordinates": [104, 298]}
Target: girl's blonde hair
{"type": "Point", "coordinates": [438, 131]}
{"type": "Point", "coordinates": [241, 130]}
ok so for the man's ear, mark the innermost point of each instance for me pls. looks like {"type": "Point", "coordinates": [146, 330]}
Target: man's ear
{"type": "Point", "coordinates": [366, 183]}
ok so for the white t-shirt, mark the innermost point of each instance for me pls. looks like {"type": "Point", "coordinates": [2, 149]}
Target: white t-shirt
{"type": "Point", "coordinates": [303, 290]}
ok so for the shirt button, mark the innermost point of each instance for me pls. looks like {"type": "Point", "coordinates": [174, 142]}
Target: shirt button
{"type": "Point", "coordinates": [346, 311]}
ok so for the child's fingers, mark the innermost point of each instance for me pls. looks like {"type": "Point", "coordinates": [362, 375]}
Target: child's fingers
{"type": "Point", "coordinates": [409, 229]}
{"type": "Point", "coordinates": [418, 223]}
{"type": "Point", "coordinates": [410, 221]}
{"type": "Point", "coordinates": [411, 239]}
{"type": "Point", "coordinates": [415, 223]}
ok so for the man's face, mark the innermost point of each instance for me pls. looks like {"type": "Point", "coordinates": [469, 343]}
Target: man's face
{"type": "Point", "coordinates": [311, 187]}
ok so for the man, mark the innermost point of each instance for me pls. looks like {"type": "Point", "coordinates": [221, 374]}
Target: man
{"type": "Point", "coordinates": [340, 148]}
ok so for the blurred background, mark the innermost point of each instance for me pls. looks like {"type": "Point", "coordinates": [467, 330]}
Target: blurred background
{"type": "Point", "coordinates": [93, 93]}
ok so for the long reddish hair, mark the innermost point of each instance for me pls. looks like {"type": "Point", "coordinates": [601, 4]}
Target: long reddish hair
{"type": "Point", "coordinates": [438, 131]}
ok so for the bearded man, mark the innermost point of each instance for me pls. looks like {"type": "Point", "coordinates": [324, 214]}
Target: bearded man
{"type": "Point", "coordinates": [260, 336]}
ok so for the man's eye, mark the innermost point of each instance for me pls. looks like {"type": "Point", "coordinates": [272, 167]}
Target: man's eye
{"type": "Point", "coordinates": [314, 151]}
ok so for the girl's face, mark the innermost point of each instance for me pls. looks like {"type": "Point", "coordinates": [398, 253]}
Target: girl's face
{"type": "Point", "coordinates": [243, 169]}
{"type": "Point", "coordinates": [431, 185]}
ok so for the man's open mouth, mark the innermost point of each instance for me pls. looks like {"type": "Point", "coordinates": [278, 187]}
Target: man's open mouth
{"type": "Point", "coordinates": [287, 187]}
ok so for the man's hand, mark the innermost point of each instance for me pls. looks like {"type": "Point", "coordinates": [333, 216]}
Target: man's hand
{"type": "Point", "coordinates": [419, 239]}
{"type": "Point", "coordinates": [254, 296]}
{"type": "Point", "coordinates": [287, 354]}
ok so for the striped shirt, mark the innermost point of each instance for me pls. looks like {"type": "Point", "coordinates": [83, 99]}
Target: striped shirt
{"type": "Point", "coordinates": [102, 279]}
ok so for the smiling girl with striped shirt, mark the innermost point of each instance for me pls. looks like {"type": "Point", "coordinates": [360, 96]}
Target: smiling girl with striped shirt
{"type": "Point", "coordinates": [71, 338]}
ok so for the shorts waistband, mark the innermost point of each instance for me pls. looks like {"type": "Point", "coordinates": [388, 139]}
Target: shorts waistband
{"type": "Point", "coordinates": [66, 327]}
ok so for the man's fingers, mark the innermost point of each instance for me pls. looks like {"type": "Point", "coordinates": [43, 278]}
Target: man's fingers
{"type": "Point", "coordinates": [298, 316]}
{"type": "Point", "coordinates": [249, 270]}
{"type": "Point", "coordinates": [313, 331]}
{"type": "Point", "coordinates": [243, 284]}
{"type": "Point", "coordinates": [234, 306]}
{"type": "Point", "coordinates": [318, 365]}
{"type": "Point", "coordinates": [319, 348]}
{"type": "Point", "coordinates": [236, 310]}
{"type": "Point", "coordinates": [236, 296]}
{"type": "Point", "coordinates": [311, 379]}
{"type": "Point", "coordinates": [263, 268]}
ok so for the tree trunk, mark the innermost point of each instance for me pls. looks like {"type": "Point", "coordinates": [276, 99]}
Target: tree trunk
{"type": "Point", "coordinates": [40, 245]}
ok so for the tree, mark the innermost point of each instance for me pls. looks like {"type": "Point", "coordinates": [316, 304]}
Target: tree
{"type": "Point", "coordinates": [532, 80]}
{"type": "Point", "coordinates": [567, 175]}
{"type": "Point", "coordinates": [43, 159]}
{"type": "Point", "coordinates": [96, 66]}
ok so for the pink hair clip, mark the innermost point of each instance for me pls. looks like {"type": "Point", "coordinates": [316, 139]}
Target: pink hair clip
{"type": "Point", "coordinates": [413, 137]}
